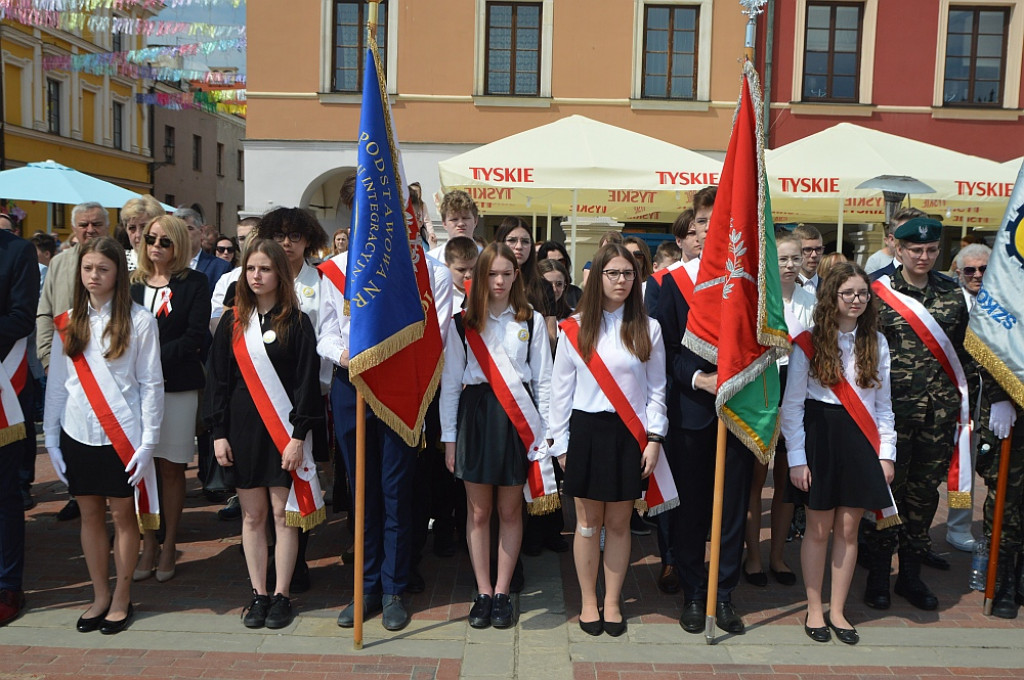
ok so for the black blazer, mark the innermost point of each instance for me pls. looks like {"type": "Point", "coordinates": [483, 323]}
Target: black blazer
{"type": "Point", "coordinates": [19, 289]}
{"type": "Point", "coordinates": [183, 332]}
{"type": "Point", "coordinates": [688, 408]}
{"type": "Point", "coordinates": [212, 267]}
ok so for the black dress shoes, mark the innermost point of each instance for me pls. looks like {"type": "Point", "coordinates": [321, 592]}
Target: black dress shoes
{"type": "Point", "coordinates": [728, 620]}
{"type": "Point", "coordinates": [692, 619]}
{"type": "Point", "coordinates": [668, 582]}
{"type": "Point", "coordinates": [818, 634]}
{"type": "Point", "coordinates": [480, 614]}
{"type": "Point", "coordinates": [502, 611]}
{"type": "Point", "coordinates": [85, 625]}
{"type": "Point", "coordinates": [615, 628]}
{"type": "Point", "coordinates": [847, 636]}
{"type": "Point", "coordinates": [594, 628]}
{"type": "Point", "coordinates": [756, 578]}
{"type": "Point", "coordinates": [786, 578]}
{"type": "Point", "coordinates": [935, 561]}
{"type": "Point", "coordinates": [108, 627]}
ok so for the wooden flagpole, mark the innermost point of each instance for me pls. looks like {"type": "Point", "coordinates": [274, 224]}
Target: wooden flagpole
{"type": "Point", "coordinates": [360, 480]}
{"type": "Point", "coordinates": [716, 534]}
{"type": "Point", "coordinates": [997, 524]}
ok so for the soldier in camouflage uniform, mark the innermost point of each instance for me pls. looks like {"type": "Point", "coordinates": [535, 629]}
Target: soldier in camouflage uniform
{"type": "Point", "coordinates": [994, 415]}
{"type": "Point", "coordinates": [926, 404]}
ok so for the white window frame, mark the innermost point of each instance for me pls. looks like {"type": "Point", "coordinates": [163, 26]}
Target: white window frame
{"type": "Point", "coordinates": [1014, 52]}
{"type": "Point", "coordinates": [704, 37]}
{"type": "Point", "coordinates": [869, 29]}
{"type": "Point", "coordinates": [65, 102]}
{"type": "Point", "coordinates": [327, 52]}
{"type": "Point", "coordinates": [546, 44]}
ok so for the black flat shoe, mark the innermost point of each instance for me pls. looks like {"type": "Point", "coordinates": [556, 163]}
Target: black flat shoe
{"type": "Point", "coordinates": [615, 628]}
{"type": "Point", "coordinates": [594, 628]}
{"type": "Point", "coordinates": [786, 578]}
{"type": "Point", "coordinates": [85, 625]}
{"type": "Point", "coordinates": [848, 636]}
{"type": "Point", "coordinates": [757, 578]}
{"type": "Point", "coordinates": [480, 614]}
{"type": "Point", "coordinates": [935, 561]}
{"type": "Point", "coordinates": [108, 627]}
{"type": "Point", "coordinates": [818, 634]}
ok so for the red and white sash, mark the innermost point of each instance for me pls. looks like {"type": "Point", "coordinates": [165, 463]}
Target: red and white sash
{"type": "Point", "coordinates": [685, 277]}
{"type": "Point", "coordinates": [541, 490]}
{"type": "Point", "coordinates": [961, 472]}
{"type": "Point", "coordinates": [851, 401]}
{"type": "Point", "coordinates": [13, 375]}
{"type": "Point", "coordinates": [330, 270]}
{"type": "Point", "coordinates": [305, 507]}
{"type": "Point", "coordinates": [122, 427]}
{"type": "Point", "coordinates": [661, 494]}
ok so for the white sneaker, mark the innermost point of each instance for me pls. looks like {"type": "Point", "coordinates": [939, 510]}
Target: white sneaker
{"type": "Point", "coordinates": [962, 542]}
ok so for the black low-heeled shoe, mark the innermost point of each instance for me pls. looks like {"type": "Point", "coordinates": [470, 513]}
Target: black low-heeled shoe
{"type": "Point", "coordinates": [848, 636]}
{"type": "Point", "coordinates": [594, 628]}
{"type": "Point", "coordinates": [88, 625]}
{"type": "Point", "coordinates": [615, 628]}
{"type": "Point", "coordinates": [108, 627]}
{"type": "Point", "coordinates": [817, 634]}
{"type": "Point", "coordinates": [786, 578]}
{"type": "Point", "coordinates": [756, 578]}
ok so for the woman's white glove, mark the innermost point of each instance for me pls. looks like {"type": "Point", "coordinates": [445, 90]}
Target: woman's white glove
{"type": "Point", "coordinates": [57, 460]}
{"type": "Point", "coordinates": [140, 464]}
{"type": "Point", "coordinates": [1002, 418]}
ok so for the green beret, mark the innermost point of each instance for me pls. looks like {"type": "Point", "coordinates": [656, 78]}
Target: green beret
{"type": "Point", "coordinates": [919, 230]}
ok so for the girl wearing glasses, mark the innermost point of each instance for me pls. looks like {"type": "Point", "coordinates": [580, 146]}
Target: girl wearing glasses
{"type": "Point", "coordinates": [605, 462]}
{"type": "Point", "coordinates": [838, 421]}
{"type": "Point", "coordinates": [499, 362]}
{"type": "Point", "coordinates": [179, 298]}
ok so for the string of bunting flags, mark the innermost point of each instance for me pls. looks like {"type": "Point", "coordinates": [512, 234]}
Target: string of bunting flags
{"type": "Point", "coordinates": [92, 5]}
{"type": "Point", "coordinates": [219, 101]}
{"type": "Point", "coordinates": [160, 73]}
{"type": "Point", "coordinates": [85, 62]}
{"type": "Point", "coordinates": [78, 21]}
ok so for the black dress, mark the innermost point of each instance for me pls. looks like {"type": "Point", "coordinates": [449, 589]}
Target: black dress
{"type": "Point", "coordinates": [234, 416]}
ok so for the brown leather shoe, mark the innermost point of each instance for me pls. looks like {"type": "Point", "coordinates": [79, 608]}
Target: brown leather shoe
{"type": "Point", "coordinates": [668, 582]}
{"type": "Point", "coordinates": [11, 604]}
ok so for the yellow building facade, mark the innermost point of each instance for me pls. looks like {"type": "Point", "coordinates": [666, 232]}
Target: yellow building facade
{"type": "Point", "coordinates": [462, 73]}
{"type": "Point", "coordinates": [91, 123]}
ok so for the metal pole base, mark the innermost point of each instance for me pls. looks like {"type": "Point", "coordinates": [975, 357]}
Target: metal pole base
{"type": "Point", "coordinates": [988, 606]}
{"type": "Point", "coordinates": [709, 630]}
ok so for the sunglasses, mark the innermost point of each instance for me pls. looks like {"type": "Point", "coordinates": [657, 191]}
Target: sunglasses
{"type": "Point", "coordinates": [163, 241]}
{"type": "Point", "coordinates": [225, 249]}
{"type": "Point", "coordinates": [971, 271]}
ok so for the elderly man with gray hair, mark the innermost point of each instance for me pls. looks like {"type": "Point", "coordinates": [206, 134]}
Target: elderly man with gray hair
{"type": "Point", "coordinates": [202, 261]}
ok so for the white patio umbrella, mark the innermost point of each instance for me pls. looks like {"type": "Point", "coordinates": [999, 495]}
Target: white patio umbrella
{"type": "Point", "coordinates": [51, 182]}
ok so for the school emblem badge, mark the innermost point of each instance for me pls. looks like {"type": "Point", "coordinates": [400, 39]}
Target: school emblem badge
{"type": "Point", "coordinates": [1015, 244]}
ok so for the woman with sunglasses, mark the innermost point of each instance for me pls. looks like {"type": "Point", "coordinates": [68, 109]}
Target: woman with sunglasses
{"type": "Point", "coordinates": [179, 298]}
{"type": "Point", "coordinates": [227, 250]}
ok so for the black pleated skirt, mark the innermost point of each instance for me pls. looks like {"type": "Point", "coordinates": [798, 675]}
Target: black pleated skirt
{"type": "Point", "coordinates": [488, 448]}
{"type": "Point", "coordinates": [845, 470]}
{"type": "Point", "coordinates": [94, 470]}
{"type": "Point", "coordinates": [603, 460]}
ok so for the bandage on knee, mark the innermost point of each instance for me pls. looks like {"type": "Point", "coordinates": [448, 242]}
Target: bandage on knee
{"type": "Point", "coordinates": [585, 532]}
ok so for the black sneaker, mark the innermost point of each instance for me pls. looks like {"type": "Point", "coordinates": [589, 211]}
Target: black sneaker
{"type": "Point", "coordinates": [480, 614]}
{"type": "Point", "coordinates": [280, 614]}
{"type": "Point", "coordinates": [255, 615]}
{"type": "Point", "coordinates": [501, 611]}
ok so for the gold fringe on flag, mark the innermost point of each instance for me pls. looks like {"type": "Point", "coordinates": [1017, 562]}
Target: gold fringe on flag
{"type": "Point", "coordinates": [886, 522]}
{"type": "Point", "coordinates": [545, 505]}
{"type": "Point", "coordinates": [959, 500]}
{"type": "Point", "coordinates": [1006, 378]}
{"type": "Point", "coordinates": [149, 521]}
{"type": "Point", "coordinates": [295, 519]}
{"type": "Point", "coordinates": [12, 433]}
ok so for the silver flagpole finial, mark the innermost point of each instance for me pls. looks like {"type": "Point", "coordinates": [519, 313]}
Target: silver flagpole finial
{"type": "Point", "coordinates": [752, 7]}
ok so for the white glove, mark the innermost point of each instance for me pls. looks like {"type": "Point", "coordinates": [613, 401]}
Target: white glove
{"type": "Point", "coordinates": [57, 460]}
{"type": "Point", "coordinates": [1002, 418]}
{"type": "Point", "coordinates": [140, 464]}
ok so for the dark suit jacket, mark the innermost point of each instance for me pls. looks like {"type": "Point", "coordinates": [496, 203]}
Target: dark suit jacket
{"type": "Point", "coordinates": [688, 408]}
{"type": "Point", "coordinates": [183, 332]}
{"type": "Point", "coordinates": [213, 267]}
{"type": "Point", "coordinates": [19, 289]}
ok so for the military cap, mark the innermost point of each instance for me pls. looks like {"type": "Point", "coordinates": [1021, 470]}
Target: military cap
{"type": "Point", "coordinates": [919, 230]}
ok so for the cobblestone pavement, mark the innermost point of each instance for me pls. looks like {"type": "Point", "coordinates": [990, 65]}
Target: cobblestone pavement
{"type": "Point", "coordinates": [189, 627]}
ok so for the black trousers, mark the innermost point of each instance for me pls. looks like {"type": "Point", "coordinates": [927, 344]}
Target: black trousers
{"type": "Point", "coordinates": [691, 456]}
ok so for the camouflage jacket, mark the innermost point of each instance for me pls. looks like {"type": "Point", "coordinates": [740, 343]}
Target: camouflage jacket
{"type": "Point", "coordinates": [919, 383]}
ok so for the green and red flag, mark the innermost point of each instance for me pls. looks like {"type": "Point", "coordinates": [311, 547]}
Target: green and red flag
{"type": "Point", "coordinates": [736, 320]}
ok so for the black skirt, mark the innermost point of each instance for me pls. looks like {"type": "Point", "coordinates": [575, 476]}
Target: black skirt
{"type": "Point", "coordinates": [845, 470]}
{"type": "Point", "coordinates": [603, 460]}
{"type": "Point", "coordinates": [488, 449]}
{"type": "Point", "coordinates": [94, 470]}
{"type": "Point", "coordinates": [257, 460]}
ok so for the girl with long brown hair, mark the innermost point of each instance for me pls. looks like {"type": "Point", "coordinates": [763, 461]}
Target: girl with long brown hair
{"type": "Point", "coordinates": [265, 303]}
{"type": "Point", "coordinates": [119, 343]}
{"type": "Point", "coordinates": [838, 423]}
{"type": "Point", "coordinates": [604, 462]}
{"type": "Point", "coordinates": [500, 338]}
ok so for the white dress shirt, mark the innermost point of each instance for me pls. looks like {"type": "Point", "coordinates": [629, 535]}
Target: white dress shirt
{"type": "Point", "coordinates": [461, 367]}
{"type": "Point", "coordinates": [138, 373]}
{"type": "Point", "coordinates": [799, 313]}
{"type": "Point", "coordinates": [573, 386]}
{"type": "Point", "coordinates": [220, 291]}
{"type": "Point", "coordinates": [810, 284]}
{"type": "Point", "coordinates": [800, 387]}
